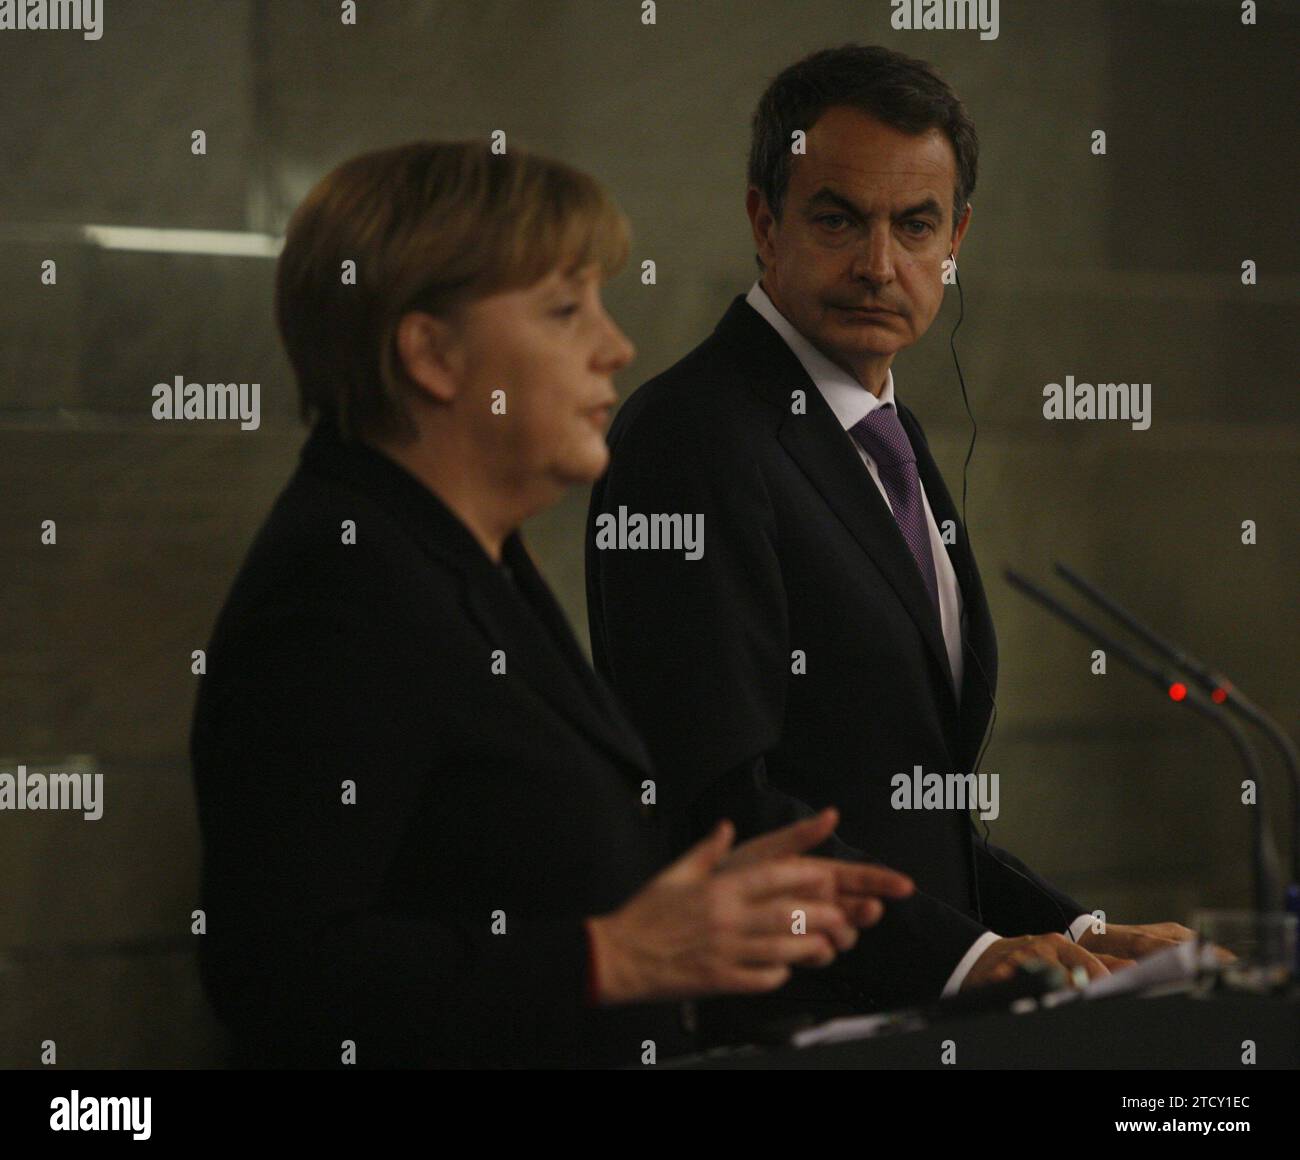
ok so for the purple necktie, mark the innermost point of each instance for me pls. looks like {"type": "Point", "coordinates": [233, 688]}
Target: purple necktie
{"type": "Point", "coordinates": [881, 436]}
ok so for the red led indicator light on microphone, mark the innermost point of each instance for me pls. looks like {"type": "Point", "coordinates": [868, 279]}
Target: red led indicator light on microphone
{"type": "Point", "coordinates": [1219, 696]}
{"type": "Point", "coordinates": [1177, 691]}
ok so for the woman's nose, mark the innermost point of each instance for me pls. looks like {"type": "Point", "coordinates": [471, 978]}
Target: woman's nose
{"type": "Point", "coordinates": [620, 350]}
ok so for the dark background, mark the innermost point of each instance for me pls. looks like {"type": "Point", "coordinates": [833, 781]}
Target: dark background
{"type": "Point", "coordinates": [1117, 268]}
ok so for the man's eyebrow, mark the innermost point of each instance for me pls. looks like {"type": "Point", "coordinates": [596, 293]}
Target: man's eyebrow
{"type": "Point", "coordinates": [927, 207]}
{"type": "Point", "coordinates": [826, 195]}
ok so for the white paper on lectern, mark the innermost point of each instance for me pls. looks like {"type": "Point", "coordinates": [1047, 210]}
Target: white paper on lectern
{"type": "Point", "coordinates": [1179, 963]}
{"type": "Point", "coordinates": [840, 1030]}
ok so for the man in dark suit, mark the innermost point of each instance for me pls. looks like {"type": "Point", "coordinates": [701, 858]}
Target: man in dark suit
{"type": "Point", "coordinates": [426, 832]}
{"type": "Point", "coordinates": [833, 636]}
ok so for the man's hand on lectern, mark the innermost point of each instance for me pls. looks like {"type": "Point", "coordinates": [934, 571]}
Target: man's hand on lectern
{"type": "Point", "coordinates": [1135, 942]}
{"type": "Point", "coordinates": [1000, 960]}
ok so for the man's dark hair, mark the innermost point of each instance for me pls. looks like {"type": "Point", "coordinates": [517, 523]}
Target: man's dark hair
{"type": "Point", "coordinates": [904, 93]}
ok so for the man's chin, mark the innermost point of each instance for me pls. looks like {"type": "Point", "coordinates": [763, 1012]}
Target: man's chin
{"type": "Point", "coordinates": [850, 343]}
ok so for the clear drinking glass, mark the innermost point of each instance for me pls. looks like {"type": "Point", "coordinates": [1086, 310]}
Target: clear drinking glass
{"type": "Point", "coordinates": [1264, 945]}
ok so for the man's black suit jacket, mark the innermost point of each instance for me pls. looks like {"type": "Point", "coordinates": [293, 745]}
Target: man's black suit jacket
{"type": "Point", "coordinates": [801, 554]}
{"type": "Point", "coordinates": [365, 671]}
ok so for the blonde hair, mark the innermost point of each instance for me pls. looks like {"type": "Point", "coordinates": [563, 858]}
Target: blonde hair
{"type": "Point", "coordinates": [431, 225]}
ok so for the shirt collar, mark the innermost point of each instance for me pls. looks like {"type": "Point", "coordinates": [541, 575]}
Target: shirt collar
{"type": "Point", "coordinates": [846, 397]}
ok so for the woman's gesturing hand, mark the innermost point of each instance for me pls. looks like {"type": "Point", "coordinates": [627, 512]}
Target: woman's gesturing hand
{"type": "Point", "coordinates": [723, 921]}
{"type": "Point", "coordinates": [860, 886]}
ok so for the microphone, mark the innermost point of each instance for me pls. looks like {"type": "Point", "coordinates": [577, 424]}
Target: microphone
{"type": "Point", "coordinates": [1264, 852]}
{"type": "Point", "coordinates": [1220, 690]}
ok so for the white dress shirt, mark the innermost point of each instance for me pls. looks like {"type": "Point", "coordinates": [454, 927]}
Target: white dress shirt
{"type": "Point", "coordinates": [851, 401]}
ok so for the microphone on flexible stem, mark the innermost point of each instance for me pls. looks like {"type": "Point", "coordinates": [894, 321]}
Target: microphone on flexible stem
{"type": "Point", "coordinates": [1221, 691]}
{"type": "Point", "coordinates": [1265, 860]}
